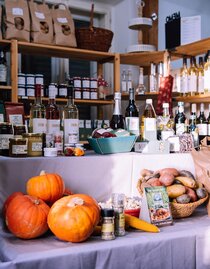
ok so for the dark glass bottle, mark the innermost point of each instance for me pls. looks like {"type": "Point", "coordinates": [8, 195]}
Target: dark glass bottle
{"type": "Point", "coordinates": [132, 115]}
{"type": "Point", "coordinates": [117, 120]}
{"type": "Point", "coordinates": [193, 129]}
{"type": "Point", "coordinates": [3, 69]}
{"type": "Point", "coordinates": [202, 123]}
{"type": "Point", "coordinates": [180, 119]}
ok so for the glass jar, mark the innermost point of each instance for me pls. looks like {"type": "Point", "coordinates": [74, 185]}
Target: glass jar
{"type": "Point", "coordinates": [107, 224]}
{"type": "Point", "coordinates": [18, 147]}
{"type": "Point", "coordinates": [21, 90]}
{"type": "Point", "coordinates": [6, 133]}
{"type": "Point", "coordinates": [39, 79]}
{"type": "Point", "coordinates": [86, 93]}
{"type": "Point", "coordinates": [77, 82]}
{"type": "Point", "coordinates": [118, 206]}
{"type": "Point", "coordinates": [93, 83]}
{"type": "Point", "coordinates": [93, 94]}
{"type": "Point", "coordinates": [30, 79]}
{"type": "Point", "coordinates": [35, 144]}
{"type": "Point", "coordinates": [62, 90]}
{"type": "Point", "coordinates": [30, 90]}
{"type": "Point", "coordinates": [21, 79]}
{"type": "Point", "coordinates": [77, 93]}
{"type": "Point", "coordinates": [19, 130]}
{"type": "Point", "coordinates": [85, 83]}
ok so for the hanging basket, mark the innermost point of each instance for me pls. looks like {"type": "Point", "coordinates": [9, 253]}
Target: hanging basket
{"type": "Point", "coordinates": [94, 38]}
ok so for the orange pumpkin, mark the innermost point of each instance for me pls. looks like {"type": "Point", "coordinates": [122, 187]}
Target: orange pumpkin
{"type": "Point", "coordinates": [74, 217]}
{"type": "Point", "coordinates": [8, 200]}
{"type": "Point", "coordinates": [26, 216]}
{"type": "Point", "coordinates": [48, 187]}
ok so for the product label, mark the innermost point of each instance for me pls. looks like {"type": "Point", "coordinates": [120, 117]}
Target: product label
{"type": "Point", "coordinates": [16, 119]}
{"type": "Point", "coordinates": [86, 83]}
{"type": "Point", "coordinates": [208, 129]}
{"type": "Point", "coordinates": [77, 94]}
{"type": "Point", "coordinates": [132, 125]}
{"type": "Point", "coordinates": [19, 149]}
{"type": "Point", "coordinates": [40, 15]}
{"type": "Point", "coordinates": [86, 95]}
{"type": "Point", "coordinates": [129, 84]}
{"type": "Point", "coordinates": [62, 20]}
{"type": "Point", "coordinates": [202, 129]}
{"type": "Point", "coordinates": [119, 223]}
{"type": "Point", "coordinates": [30, 80]}
{"type": "Point", "coordinates": [184, 84]}
{"type": "Point", "coordinates": [180, 128]}
{"type": "Point", "coordinates": [192, 83]}
{"type": "Point", "coordinates": [39, 80]}
{"type": "Point", "coordinates": [93, 84]}
{"type": "Point", "coordinates": [207, 80]}
{"type": "Point", "coordinates": [99, 123]}
{"type": "Point", "coordinates": [3, 73]}
{"type": "Point", "coordinates": [39, 125]}
{"type": "Point", "coordinates": [36, 146]}
{"type": "Point", "coordinates": [17, 11]}
{"type": "Point", "coordinates": [77, 83]}
{"type": "Point", "coordinates": [88, 124]}
{"type": "Point", "coordinates": [93, 95]}
{"type": "Point", "coordinates": [1, 117]}
{"type": "Point", "coordinates": [152, 87]}
{"type": "Point", "coordinates": [200, 84]}
{"type": "Point", "coordinates": [63, 91]}
{"type": "Point", "coordinates": [21, 80]}
{"type": "Point", "coordinates": [4, 141]}
{"type": "Point", "coordinates": [71, 131]}
{"type": "Point", "coordinates": [53, 126]}
{"type": "Point", "coordinates": [21, 91]}
{"type": "Point", "coordinates": [30, 92]}
{"type": "Point", "coordinates": [124, 86]}
{"type": "Point", "coordinates": [107, 228]}
{"type": "Point", "coordinates": [81, 124]}
{"type": "Point", "coordinates": [150, 124]}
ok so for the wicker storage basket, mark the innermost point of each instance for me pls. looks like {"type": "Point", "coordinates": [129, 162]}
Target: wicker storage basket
{"type": "Point", "coordinates": [93, 38]}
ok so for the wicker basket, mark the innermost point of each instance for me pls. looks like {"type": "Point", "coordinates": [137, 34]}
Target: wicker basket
{"type": "Point", "coordinates": [93, 38]}
{"type": "Point", "coordinates": [185, 210]}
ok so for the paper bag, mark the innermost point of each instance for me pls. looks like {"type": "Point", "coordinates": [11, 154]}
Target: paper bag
{"type": "Point", "coordinates": [16, 20]}
{"type": "Point", "coordinates": [64, 29]}
{"type": "Point", "coordinates": [41, 23]}
{"type": "Point", "coordinates": [202, 166]}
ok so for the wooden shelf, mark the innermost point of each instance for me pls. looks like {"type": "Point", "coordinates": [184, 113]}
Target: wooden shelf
{"type": "Point", "coordinates": [64, 52]}
{"type": "Point", "coordinates": [5, 87]}
{"type": "Point", "coordinates": [202, 98]}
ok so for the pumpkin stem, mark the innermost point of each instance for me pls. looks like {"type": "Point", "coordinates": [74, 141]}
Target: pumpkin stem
{"type": "Point", "coordinates": [75, 201]}
{"type": "Point", "coordinates": [42, 173]}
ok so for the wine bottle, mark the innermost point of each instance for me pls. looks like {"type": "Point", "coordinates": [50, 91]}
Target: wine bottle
{"type": "Point", "coordinates": [52, 112]}
{"type": "Point", "coordinates": [124, 82]}
{"type": "Point", "coordinates": [152, 78]}
{"type": "Point", "coordinates": [117, 120]}
{"type": "Point", "coordinates": [202, 123]}
{"type": "Point", "coordinates": [3, 69]}
{"type": "Point", "coordinates": [184, 78]}
{"type": "Point", "coordinates": [148, 122]}
{"type": "Point", "coordinates": [132, 115]}
{"type": "Point", "coordinates": [141, 87]}
{"type": "Point", "coordinates": [71, 119]}
{"type": "Point", "coordinates": [38, 121]}
{"type": "Point", "coordinates": [192, 77]}
{"type": "Point", "coordinates": [180, 119]}
{"type": "Point", "coordinates": [207, 73]}
{"type": "Point", "coordinates": [165, 124]}
{"type": "Point", "coordinates": [200, 76]}
{"type": "Point", "coordinates": [193, 129]}
{"type": "Point", "coordinates": [129, 80]}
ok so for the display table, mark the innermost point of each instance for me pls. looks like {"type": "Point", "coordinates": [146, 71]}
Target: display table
{"type": "Point", "coordinates": [183, 245]}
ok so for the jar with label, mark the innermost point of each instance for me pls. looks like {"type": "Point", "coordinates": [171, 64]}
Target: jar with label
{"type": "Point", "coordinates": [107, 226]}
{"type": "Point", "coordinates": [62, 90]}
{"type": "Point", "coordinates": [39, 79]}
{"type": "Point", "coordinates": [86, 93]}
{"type": "Point", "coordinates": [21, 79]}
{"type": "Point", "coordinates": [30, 90]}
{"type": "Point", "coordinates": [30, 79]}
{"type": "Point", "coordinates": [55, 86]}
{"type": "Point", "coordinates": [6, 132]}
{"type": "Point", "coordinates": [93, 94]}
{"type": "Point", "coordinates": [77, 82]}
{"type": "Point", "coordinates": [118, 206]}
{"type": "Point", "coordinates": [85, 83]}
{"type": "Point", "coordinates": [21, 90]}
{"type": "Point", "coordinates": [17, 147]}
{"type": "Point", "coordinates": [77, 93]}
{"type": "Point", "coordinates": [19, 130]}
{"type": "Point", "coordinates": [93, 83]}
{"type": "Point", "coordinates": [35, 144]}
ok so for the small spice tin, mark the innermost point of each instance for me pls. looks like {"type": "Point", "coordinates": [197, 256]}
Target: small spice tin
{"type": "Point", "coordinates": [18, 147]}
{"type": "Point", "coordinates": [35, 144]}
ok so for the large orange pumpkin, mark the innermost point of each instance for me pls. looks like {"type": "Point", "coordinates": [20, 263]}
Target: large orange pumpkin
{"type": "Point", "coordinates": [48, 187]}
{"type": "Point", "coordinates": [26, 216]}
{"type": "Point", "coordinates": [8, 200]}
{"type": "Point", "coordinates": [74, 217]}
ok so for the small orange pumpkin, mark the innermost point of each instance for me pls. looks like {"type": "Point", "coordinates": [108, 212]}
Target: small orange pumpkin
{"type": "Point", "coordinates": [74, 217]}
{"type": "Point", "coordinates": [8, 200]}
{"type": "Point", "coordinates": [26, 216]}
{"type": "Point", "coordinates": [48, 187]}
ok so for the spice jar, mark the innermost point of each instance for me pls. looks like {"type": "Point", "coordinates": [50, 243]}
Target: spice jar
{"type": "Point", "coordinates": [35, 144]}
{"type": "Point", "coordinates": [6, 132]}
{"type": "Point", "coordinates": [118, 206]}
{"type": "Point", "coordinates": [18, 147]}
{"type": "Point", "coordinates": [107, 226]}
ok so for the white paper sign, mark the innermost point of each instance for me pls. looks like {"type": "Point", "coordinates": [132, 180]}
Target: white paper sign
{"type": "Point", "coordinates": [17, 11]}
{"type": "Point", "coordinates": [39, 15]}
{"type": "Point", "coordinates": [62, 20]}
{"type": "Point", "coordinates": [190, 29]}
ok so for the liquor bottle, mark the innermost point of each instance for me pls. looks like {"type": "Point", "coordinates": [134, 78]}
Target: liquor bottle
{"type": "Point", "coordinates": [207, 73]}
{"type": "Point", "coordinates": [3, 69]}
{"type": "Point", "coordinates": [38, 121]}
{"type": "Point", "coordinates": [70, 119]}
{"type": "Point", "coordinates": [124, 82]}
{"type": "Point", "coordinates": [165, 124]}
{"type": "Point", "coordinates": [193, 129]}
{"type": "Point", "coordinates": [152, 78]}
{"type": "Point", "coordinates": [202, 123]}
{"type": "Point", "coordinates": [180, 119]}
{"type": "Point", "coordinates": [149, 122]}
{"type": "Point", "coordinates": [132, 115]}
{"type": "Point", "coordinates": [141, 88]}
{"type": "Point", "coordinates": [192, 77]}
{"type": "Point", "coordinates": [52, 112]}
{"type": "Point", "coordinates": [117, 120]}
{"type": "Point", "coordinates": [200, 76]}
{"type": "Point", "coordinates": [184, 78]}
{"type": "Point", "coordinates": [159, 74]}
{"type": "Point", "coordinates": [129, 80]}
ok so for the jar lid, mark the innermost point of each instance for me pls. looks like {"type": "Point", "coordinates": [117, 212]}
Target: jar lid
{"type": "Point", "coordinates": [29, 75]}
{"type": "Point", "coordinates": [76, 77]}
{"type": "Point", "coordinates": [32, 135]}
{"type": "Point", "coordinates": [16, 139]}
{"type": "Point", "coordinates": [6, 123]}
{"type": "Point", "coordinates": [21, 74]}
{"type": "Point", "coordinates": [39, 75]}
{"type": "Point", "coordinates": [85, 78]}
{"type": "Point", "coordinates": [107, 212]}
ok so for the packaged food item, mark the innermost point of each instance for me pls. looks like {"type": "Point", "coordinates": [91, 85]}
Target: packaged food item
{"type": "Point", "coordinates": [17, 147]}
{"type": "Point", "coordinates": [15, 113]}
{"type": "Point", "coordinates": [35, 144]}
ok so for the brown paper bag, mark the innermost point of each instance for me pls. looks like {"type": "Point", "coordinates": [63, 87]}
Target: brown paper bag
{"type": "Point", "coordinates": [64, 29]}
{"type": "Point", "coordinates": [41, 23]}
{"type": "Point", "coordinates": [16, 20]}
{"type": "Point", "coordinates": [202, 166]}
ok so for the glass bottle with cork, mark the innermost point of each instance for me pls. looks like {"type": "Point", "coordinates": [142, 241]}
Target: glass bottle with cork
{"type": "Point", "coordinates": [180, 119]}
{"type": "Point", "coordinates": [117, 120]}
{"type": "Point", "coordinates": [202, 123]}
{"type": "Point", "coordinates": [200, 76]}
{"type": "Point", "coordinates": [207, 73]}
{"type": "Point", "coordinates": [184, 78]}
{"type": "Point", "coordinates": [193, 129]}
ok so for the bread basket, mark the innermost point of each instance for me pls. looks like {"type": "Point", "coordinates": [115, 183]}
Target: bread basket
{"type": "Point", "coordinates": [94, 38]}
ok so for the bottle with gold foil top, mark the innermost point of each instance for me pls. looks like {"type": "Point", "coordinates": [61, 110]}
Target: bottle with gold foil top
{"type": "Point", "coordinates": [207, 74]}
{"type": "Point", "coordinates": [184, 78]}
{"type": "Point", "coordinates": [192, 77]}
{"type": "Point", "coordinates": [118, 206]}
{"type": "Point", "coordinates": [200, 76]}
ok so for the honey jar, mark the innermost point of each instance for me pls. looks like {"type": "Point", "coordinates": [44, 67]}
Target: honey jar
{"type": "Point", "coordinates": [18, 147]}
{"type": "Point", "coordinates": [35, 144]}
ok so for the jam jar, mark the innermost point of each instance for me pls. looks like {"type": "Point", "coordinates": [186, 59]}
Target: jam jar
{"type": "Point", "coordinates": [35, 144]}
{"type": "Point", "coordinates": [6, 132]}
{"type": "Point", "coordinates": [17, 147]}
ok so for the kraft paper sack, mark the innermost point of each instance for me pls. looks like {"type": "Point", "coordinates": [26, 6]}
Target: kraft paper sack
{"type": "Point", "coordinates": [41, 23]}
{"type": "Point", "coordinates": [64, 30]}
{"type": "Point", "coordinates": [16, 20]}
{"type": "Point", "coordinates": [202, 166]}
